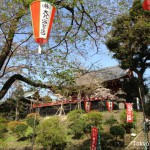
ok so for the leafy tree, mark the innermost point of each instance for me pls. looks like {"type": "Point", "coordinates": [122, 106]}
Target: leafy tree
{"type": "Point", "coordinates": [93, 118]}
{"type": "Point", "coordinates": [11, 110]}
{"type": "Point", "coordinates": [117, 131]}
{"type": "Point", "coordinates": [51, 134]}
{"type": "Point", "coordinates": [77, 123]}
{"type": "Point", "coordinates": [77, 28]}
{"type": "Point", "coordinates": [75, 114]}
{"type": "Point", "coordinates": [131, 88]}
{"type": "Point", "coordinates": [15, 107]}
{"type": "Point", "coordinates": [129, 41]}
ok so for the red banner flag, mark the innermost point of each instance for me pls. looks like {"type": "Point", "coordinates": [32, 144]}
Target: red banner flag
{"type": "Point", "coordinates": [129, 112]}
{"type": "Point", "coordinates": [94, 138]}
{"type": "Point", "coordinates": [87, 106]}
{"type": "Point", "coordinates": [110, 105]}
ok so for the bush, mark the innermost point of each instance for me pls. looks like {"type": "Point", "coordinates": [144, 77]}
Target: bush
{"type": "Point", "coordinates": [19, 128]}
{"type": "Point", "coordinates": [117, 131]}
{"type": "Point", "coordinates": [126, 125]}
{"type": "Point", "coordinates": [77, 123]}
{"type": "Point", "coordinates": [50, 134]}
{"type": "Point", "coordinates": [106, 139]}
{"type": "Point", "coordinates": [32, 119]}
{"type": "Point", "coordinates": [75, 114]}
{"type": "Point", "coordinates": [93, 118]}
{"type": "Point", "coordinates": [3, 126]}
{"type": "Point", "coordinates": [111, 121]}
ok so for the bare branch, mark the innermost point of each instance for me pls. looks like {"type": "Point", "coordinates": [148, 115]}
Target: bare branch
{"type": "Point", "coordinates": [19, 77]}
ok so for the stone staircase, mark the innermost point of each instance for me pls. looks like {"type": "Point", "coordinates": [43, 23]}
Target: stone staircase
{"type": "Point", "coordinates": [138, 143]}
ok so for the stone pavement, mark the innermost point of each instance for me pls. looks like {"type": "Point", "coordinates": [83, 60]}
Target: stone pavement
{"type": "Point", "coordinates": [138, 143]}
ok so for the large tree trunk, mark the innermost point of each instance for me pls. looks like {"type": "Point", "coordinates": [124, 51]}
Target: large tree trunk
{"type": "Point", "coordinates": [141, 86]}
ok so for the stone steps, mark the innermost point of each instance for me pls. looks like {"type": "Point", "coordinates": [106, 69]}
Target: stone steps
{"type": "Point", "coordinates": [138, 143]}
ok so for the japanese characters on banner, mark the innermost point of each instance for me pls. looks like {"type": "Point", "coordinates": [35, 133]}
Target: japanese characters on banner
{"type": "Point", "coordinates": [42, 14]}
{"type": "Point", "coordinates": [94, 138]}
{"type": "Point", "coordinates": [129, 112]}
{"type": "Point", "coordinates": [110, 105]}
{"type": "Point", "coordinates": [87, 106]}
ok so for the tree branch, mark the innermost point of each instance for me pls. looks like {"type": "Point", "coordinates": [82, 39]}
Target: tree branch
{"type": "Point", "coordinates": [19, 77]}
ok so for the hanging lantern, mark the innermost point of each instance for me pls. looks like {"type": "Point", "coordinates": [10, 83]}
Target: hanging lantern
{"type": "Point", "coordinates": [146, 5]}
{"type": "Point", "coordinates": [42, 14]}
{"type": "Point", "coordinates": [110, 105]}
{"type": "Point", "coordinates": [87, 106]}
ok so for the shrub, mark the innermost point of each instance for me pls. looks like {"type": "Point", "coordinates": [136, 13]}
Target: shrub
{"type": "Point", "coordinates": [93, 118]}
{"type": "Point", "coordinates": [106, 139]}
{"type": "Point", "coordinates": [77, 123]}
{"type": "Point", "coordinates": [50, 134]}
{"type": "Point", "coordinates": [111, 121]}
{"type": "Point", "coordinates": [75, 114]}
{"type": "Point", "coordinates": [17, 127]}
{"type": "Point", "coordinates": [32, 119]}
{"type": "Point", "coordinates": [117, 131]}
{"type": "Point", "coordinates": [126, 125]}
{"type": "Point", "coordinates": [3, 126]}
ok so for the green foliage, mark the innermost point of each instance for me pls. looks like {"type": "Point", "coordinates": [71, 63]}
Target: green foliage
{"type": "Point", "coordinates": [3, 120]}
{"type": "Point", "coordinates": [32, 119]}
{"type": "Point", "coordinates": [3, 126]}
{"type": "Point", "coordinates": [93, 118]}
{"type": "Point", "coordinates": [15, 103]}
{"type": "Point", "coordinates": [111, 121]}
{"type": "Point", "coordinates": [117, 131]}
{"type": "Point", "coordinates": [132, 89]}
{"type": "Point", "coordinates": [50, 134]}
{"type": "Point", "coordinates": [17, 127]}
{"type": "Point", "coordinates": [75, 114]}
{"type": "Point", "coordinates": [126, 124]}
{"type": "Point", "coordinates": [129, 40]}
{"type": "Point", "coordinates": [77, 123]}
{"type": "Point", "coordinates": [106, 139]}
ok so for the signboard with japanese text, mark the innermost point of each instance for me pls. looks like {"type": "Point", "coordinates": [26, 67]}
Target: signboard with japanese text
{"type": "Point", "coordinates": [129, 112]}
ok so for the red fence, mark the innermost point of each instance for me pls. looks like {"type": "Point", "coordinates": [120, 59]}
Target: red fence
{"type": "Point", "coordinates": [65, 102]}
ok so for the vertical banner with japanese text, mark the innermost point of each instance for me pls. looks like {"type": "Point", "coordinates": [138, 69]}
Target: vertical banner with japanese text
{"type": "Point", "coordinates": [94, 138]}
{"type": "Point", "coordinates": [129, 112]}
